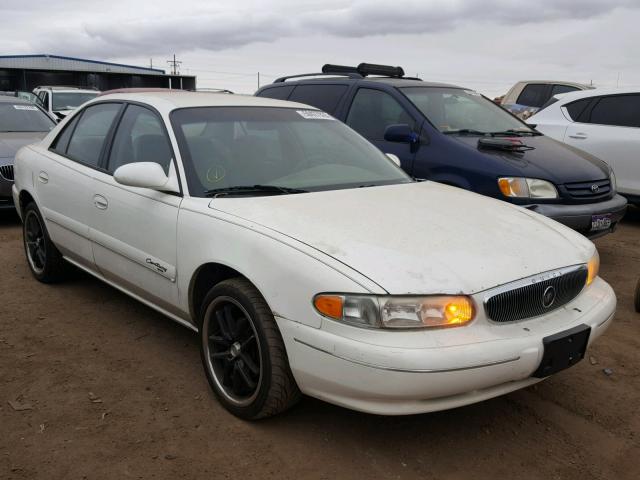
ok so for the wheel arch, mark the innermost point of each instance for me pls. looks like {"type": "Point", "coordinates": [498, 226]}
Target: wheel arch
{"type": "Point", "coordinates": [25, 198]}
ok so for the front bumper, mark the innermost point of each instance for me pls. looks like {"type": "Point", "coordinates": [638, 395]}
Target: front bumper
{"type": "Point", "coordinates": [6, 198]}
{"type": "Point", "coordinates": [578, 217]}
{"type": "Point", "coordinates": [398, 373]}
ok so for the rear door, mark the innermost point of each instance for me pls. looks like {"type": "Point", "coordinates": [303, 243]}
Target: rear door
{"type": "Point", "coordinates": [371, 112]}
{"type": "Point", "coordinates": [64, 176]}
{"type": "Point", "coordinates": [609, 128]}
{"type": "Point", "coordinates": [134, 229]}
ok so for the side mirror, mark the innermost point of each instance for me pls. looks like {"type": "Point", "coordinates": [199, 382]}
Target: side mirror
{"type": "Point", "coordinates": [401, 133]}
{"type": "Point", "coordinates": [144, 175]}
{"type": "Point", "coordinates": [393, 158]}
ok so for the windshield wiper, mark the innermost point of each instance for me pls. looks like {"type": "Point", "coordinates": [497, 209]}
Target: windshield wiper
{"type": "Point", "coordinates": [514, 132]}
{"type": "Point", "coordinates": [464, 131]}
{"type": "Point", "coordinates": [249, 189]}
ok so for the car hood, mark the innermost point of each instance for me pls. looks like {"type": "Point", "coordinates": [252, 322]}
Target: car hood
{"type": "Point", "coordinates": [548, 159]}
{"type": "Point", "coordinates": [11, 142]}
{"type": "Point", "coordinates": [419, 238]}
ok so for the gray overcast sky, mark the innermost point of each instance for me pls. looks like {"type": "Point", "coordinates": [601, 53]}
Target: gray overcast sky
{"type": "Point", "coordinates": [486, 45]}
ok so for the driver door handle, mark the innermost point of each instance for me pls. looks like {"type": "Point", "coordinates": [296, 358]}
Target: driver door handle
{"type": "Point", "coordinates": [100, 202]}
{"type": "Point", "coordinates": [579, 136]}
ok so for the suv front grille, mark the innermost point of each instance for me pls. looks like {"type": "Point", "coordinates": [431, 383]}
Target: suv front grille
{"type": "Point", "coordinates": [589, 190]}
{"type": "Point", "coordinates": [6, 172]}
{"type": "Point", "coordinates": [532, 297]}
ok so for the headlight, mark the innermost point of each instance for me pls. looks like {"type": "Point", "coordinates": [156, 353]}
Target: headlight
{"type": "Point", "coordinates": [593, 267]}
{"type": "Point", "coordinates": [519, 187]}
{"type": "Point", "coordinates": [397, 311]}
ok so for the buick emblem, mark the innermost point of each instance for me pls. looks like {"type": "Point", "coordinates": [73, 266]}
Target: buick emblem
{"type": "Point", "coordinates": [548, 297]}
{"type": "Point", "coordinates": [595, 188]}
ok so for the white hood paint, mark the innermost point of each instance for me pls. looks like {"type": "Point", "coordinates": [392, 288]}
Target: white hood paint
{"type": "Point", "coordinates": [419, 238]}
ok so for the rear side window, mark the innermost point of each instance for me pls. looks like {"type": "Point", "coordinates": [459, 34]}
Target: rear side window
{"type": "Point", "coordinates": [278, 93]}
{"type": "Point", "coordinates": [575, 109]}
{"type": "Point", "coordinates": [618, 110]}
{"type": "Point", "coordinates": [324, 97]}
{"type": "Point", "coordinates": [533, 95]}
{"type": "Point", "coordinates": [90, 134]}
{"type": "Point", "coordinates": [61, 143]}
{"type": "Point", "coordinates": [562, 89]}
{"type": "Point", "coordinates": [140, 138]}
{"type": "Point", "coordinates": [372, 111]}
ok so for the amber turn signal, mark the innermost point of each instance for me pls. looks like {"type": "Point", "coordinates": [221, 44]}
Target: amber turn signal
{"type": "Point", "coordinates": [329, 305]}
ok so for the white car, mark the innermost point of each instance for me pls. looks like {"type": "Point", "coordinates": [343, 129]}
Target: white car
{"type": "Point", "coordinates": [60, 101]}
{"type": "Point", "coordinates": [604, 123]}
{"type": "Point", "coordinates": [307, 260]}
{"type": "Point", "coordinates": [528, 96]}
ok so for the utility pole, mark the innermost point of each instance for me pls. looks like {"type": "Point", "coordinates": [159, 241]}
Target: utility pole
{"type": "Point", "coordinates": [258, 79]}
{"type": "Point", "coordinates": [175, 64]}
{"type": "Point", "coordinates": [151, 63]}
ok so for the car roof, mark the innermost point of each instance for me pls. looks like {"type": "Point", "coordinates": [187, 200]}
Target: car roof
{"type": "Point", "coordinates": [595, 92]}
{"type": "Point", "coordinates": [392, 81]}
{"type": "Point", "coordinates": [173, 99]}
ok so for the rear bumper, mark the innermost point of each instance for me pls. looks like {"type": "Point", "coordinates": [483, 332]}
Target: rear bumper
{"type": "Point", "coordinates": [578, 217]}
{"type": "Point", "coordinates": [392, 380]}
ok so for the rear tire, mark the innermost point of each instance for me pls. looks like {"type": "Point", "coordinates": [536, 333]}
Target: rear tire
{"type": "Point", "coordinates": [44, 259]}
{"type": "Point", "coordinates": [243, 353]}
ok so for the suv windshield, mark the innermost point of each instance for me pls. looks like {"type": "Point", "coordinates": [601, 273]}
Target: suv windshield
{"type": "Point", "coordinates": [70, 100]}
{"type": "Point", "coordinates": [453, 110]}
{"type": "Point", "coordinates": [22, 117]}
{"type": "Point", "coordinates": [226, 147]}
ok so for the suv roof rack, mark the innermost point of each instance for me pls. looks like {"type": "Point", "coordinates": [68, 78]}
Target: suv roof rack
{"type": "Point", "coordinates": [361, 71]}
{"type": "Point", "coordinates": [66, 87]}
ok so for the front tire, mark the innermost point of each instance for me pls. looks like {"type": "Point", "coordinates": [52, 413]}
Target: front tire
{"type": "Point", "coordinates": [44, 259]}
{"type": "Point", "coordinates": [243, 352]}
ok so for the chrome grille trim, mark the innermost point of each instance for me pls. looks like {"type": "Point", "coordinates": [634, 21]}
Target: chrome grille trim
{"type": "Point", "coordinates": [6, 172]}
{"type": "Point", "coordinates": [582, 190]}
{"type": "Point", "coordinates": [522, 299]}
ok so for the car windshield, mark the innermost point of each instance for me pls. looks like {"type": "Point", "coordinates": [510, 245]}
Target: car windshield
{"type": "Point", "coordinates": [23, 117]}
{"type": "Point", "coordinates": [70, 100]}
{"type": "Point", "coordinates": [454, 110]}
{"type": "Point", "coordinates": [303, 150]}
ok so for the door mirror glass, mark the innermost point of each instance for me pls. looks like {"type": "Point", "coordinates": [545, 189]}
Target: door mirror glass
{"type": "Point", "coordinates": [394, 158]}
{"type": "Point", "coordinates": [143, 175]}
{"type": "Point", "coordinates": [401, 133]}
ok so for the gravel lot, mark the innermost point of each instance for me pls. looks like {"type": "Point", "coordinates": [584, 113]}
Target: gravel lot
{"type": "Point", "coordinates": [95, 385]}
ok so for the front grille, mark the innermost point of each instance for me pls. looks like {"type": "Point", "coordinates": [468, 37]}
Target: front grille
{"type": "Point", "coordinates": [527, 297]}
{"type": "Point", "coordinates": [589, 190]}
{"type": "Point", "coordinates": [6, 172]}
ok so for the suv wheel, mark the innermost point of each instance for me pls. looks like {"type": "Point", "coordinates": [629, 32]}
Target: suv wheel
{"type": "Point", "coordinates": [44, 259]}
{"type": "Point", "coordinates": [243, 353]}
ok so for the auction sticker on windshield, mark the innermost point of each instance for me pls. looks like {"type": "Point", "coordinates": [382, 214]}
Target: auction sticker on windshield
{"type": "Point", "coordinates": [25, 107]}
{"type": "Point", "coordinates": [314, 115]}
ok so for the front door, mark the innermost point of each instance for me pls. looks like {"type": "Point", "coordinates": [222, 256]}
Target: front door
{"type": "Point", "coordinates": [134, 229]}
{"type": "Point", "coordinates": [371, 112]}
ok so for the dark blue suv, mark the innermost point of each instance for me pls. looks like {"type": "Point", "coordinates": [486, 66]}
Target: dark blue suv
{"type": "Point", "coordinates": [456, 136]}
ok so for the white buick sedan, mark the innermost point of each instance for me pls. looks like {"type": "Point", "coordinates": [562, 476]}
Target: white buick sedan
{"type": "Point", "coordinates": [306, 259]}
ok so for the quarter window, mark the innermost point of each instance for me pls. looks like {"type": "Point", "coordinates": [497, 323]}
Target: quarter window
{"type": "Point", "coordinates": [324, 97]}
{"type": "Point", "coordinates": [89, 137]}
{"type": "Point", "coordinates": [140, 138]}
{"type": "Point", "coordinates": [617, 110]}
{"type": "Point", "coordinates": [279, 93]}
{"type": "Point", "coordinates": [62, 142]}
{"type": "Point", "coordinates": [575, 109]}
{"type": "Point", "coordinates": [372, 111]}
{"type": "Point", "coordinates": [558, 89]}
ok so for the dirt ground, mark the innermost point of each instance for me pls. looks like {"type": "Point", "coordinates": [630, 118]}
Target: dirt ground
{"type": "Point", "coordinates": [112, 390]}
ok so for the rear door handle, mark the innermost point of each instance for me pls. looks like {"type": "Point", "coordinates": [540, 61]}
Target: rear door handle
{"type": "Point", "coordinates": [579, 136]}
{"type": "Point", "coordinates": [43, 177]}
{"type": "Point", "coordinates": [100, 202]}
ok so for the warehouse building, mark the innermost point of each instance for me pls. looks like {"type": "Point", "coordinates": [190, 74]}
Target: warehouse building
{"type": "Point", "coordinates": [25, 72]}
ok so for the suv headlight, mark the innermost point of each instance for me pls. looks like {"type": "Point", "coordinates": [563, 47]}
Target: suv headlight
{"type": "Point", "coordinates": [593, 267]}
{"type": "Point", "coordinates": [390, 311]}
{"type": "Point", "coordinates": [519, 187]}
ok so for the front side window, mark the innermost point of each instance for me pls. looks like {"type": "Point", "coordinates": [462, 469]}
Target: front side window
{"type": "Point", "coordinates": [372, 111]}
{"type": "Point", "coordinates": [617, 110]}
{"type": "Point", "coordinates": [225, 147]}
{"type": "Point", "coordinates": [23, 117]}
{"type": "Point", "coordinates": [454, 110]}
{"type": "Point", "coordinates": [575, 109]}
{"type": "Point", "coordinates": [70, 100]}
{"type": "Point", "coordinates": [89, 136]}
{"type": "Point", "coordinates": [140, 138]}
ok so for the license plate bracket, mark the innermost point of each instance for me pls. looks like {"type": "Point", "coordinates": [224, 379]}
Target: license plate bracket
{"type": "Point", "coordinates": [600, 222]}
{"type": "Point", "coordinates": [563, 350]}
